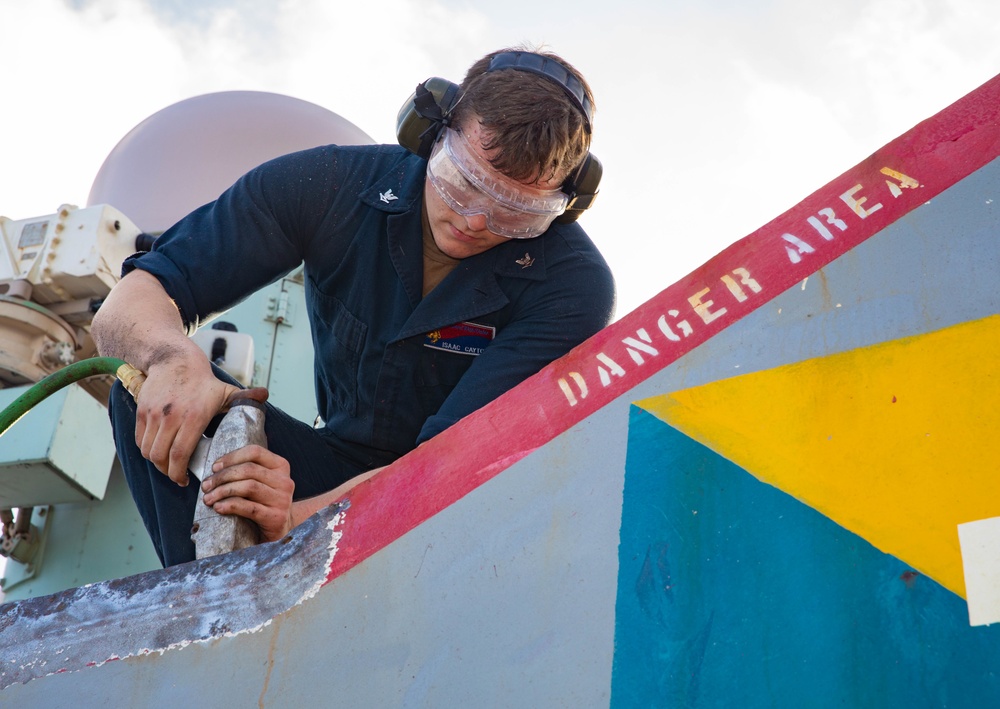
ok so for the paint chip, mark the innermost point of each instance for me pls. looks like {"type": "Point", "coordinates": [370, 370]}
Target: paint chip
{"type": "Point", "coordinates": [980, 543]}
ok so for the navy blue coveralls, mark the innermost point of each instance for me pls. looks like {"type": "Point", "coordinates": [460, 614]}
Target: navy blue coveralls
{"type": "Point", "coordinates": [393, 368]}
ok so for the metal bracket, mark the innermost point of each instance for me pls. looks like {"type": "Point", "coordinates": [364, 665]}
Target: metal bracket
{"type": "Point", "coordinates": [24, 553]}
{"type": "Point", "coordinates": [279, 309]}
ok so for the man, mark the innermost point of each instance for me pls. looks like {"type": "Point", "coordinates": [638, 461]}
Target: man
{"type": "Point", "coordinates": [434, 283]}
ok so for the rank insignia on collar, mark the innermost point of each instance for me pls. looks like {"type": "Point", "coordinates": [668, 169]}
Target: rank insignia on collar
{"type": "Point", "coordinates": [526, 261]}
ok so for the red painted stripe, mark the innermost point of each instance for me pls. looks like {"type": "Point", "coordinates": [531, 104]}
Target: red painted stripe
{"type": "Point", "coordinates": [935, 154]}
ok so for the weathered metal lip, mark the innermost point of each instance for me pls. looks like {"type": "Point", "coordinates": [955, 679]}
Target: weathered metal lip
{"type": "Point", "coordinates": [168, 609]}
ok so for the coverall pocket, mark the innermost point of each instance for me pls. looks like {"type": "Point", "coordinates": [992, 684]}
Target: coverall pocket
{"type": "Point", "coordinates": [437, 375]}
{"type": "Point", "coordinates": [339, 338]}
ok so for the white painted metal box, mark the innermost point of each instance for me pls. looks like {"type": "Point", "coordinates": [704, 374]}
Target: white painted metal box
{"type": "Point", "coordinates": [60, 451]}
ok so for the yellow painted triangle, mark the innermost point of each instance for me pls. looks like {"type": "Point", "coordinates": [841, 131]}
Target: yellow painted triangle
{"type": "Point", "coordinates": [898, 442]}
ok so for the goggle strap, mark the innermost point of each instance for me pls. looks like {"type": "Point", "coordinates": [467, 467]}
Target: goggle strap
{"type": "Point", "coordinates": [425, 106]}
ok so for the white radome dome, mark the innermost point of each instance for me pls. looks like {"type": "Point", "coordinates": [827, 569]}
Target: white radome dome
{"type": "Point", "coordinates": [187, 154]}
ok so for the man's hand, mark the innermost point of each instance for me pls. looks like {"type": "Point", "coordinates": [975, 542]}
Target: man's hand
{"type": "Point", "coordinates": [178, 400]}
{"type": "Point", "coordinates": [140, 324]}
{"type": "Point", "coordinates": [255, 483]}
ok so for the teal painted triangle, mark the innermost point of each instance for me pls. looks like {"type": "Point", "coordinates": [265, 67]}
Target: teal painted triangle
{"type": "Point", "coordinates": [731, 592]}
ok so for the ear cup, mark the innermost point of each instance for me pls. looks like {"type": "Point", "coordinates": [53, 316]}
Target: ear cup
{"type": "Point", "coordinates": [581, 187]}
{"type": "Point", "coordinates": [424, 114]}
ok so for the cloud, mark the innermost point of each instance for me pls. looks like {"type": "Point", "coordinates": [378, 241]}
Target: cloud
{"type": "Point", "coordinates": [713, 122]}
{"type": "Point", "coordinates": [82, 76]}
{"type": "Point", "coordinates": [93, 71]}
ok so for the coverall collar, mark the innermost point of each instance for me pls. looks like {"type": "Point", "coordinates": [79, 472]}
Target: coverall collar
{"type": "Point", "coordinates": [473, 288]}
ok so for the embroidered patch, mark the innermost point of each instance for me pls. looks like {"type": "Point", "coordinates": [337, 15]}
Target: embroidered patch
{"type": "Point", "coordinates": [464, 338]}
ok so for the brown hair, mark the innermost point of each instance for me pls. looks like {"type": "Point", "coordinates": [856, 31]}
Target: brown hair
{"type": "Point", "coordinates": [537, 131]}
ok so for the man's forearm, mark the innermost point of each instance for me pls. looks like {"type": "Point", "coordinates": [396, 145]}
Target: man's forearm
{"type": "Point", "coordinates": [303, 509]}
{"type": "Point", "coordinates": [138, 322]}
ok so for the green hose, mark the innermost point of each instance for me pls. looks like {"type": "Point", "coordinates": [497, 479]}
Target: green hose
{"type": "Point", "coordinates": [53, 383]}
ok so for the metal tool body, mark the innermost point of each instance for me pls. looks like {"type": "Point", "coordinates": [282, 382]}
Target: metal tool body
{"type": "Point", "coordinates": [241, 426]}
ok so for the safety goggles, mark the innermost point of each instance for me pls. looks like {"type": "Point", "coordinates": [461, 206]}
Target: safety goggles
{"type": "Point", "coordinates": [470, 185]}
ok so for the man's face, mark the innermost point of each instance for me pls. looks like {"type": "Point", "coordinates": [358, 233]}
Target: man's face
{"type": "Point", "coordinates": [461, 236]}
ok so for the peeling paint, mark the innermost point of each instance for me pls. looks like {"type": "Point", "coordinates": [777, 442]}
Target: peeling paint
{"type": "Point", "coordinates": [170, 609]}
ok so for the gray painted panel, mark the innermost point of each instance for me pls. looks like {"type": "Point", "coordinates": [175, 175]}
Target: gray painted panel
{"type": "Point", "coordinates": [506, 597]}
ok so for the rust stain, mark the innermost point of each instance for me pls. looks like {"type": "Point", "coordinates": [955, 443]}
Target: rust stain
{"type": "Point", "coordinates": [824, 286]}
{"type": "Point", "coordinates": [909, 577]}
{"type": "Point", "coordinates": [271, 654]}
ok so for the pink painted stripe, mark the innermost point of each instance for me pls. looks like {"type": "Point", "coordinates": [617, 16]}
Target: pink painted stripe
{"type": "Point", "coordinates": [904, 174]}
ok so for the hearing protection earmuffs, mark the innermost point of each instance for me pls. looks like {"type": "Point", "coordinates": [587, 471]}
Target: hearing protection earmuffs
{"type": "Point", "coordinates": [427, 112]}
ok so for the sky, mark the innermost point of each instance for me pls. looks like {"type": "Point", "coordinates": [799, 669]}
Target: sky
{"type": "Point", "coordinates": [713, 117]}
